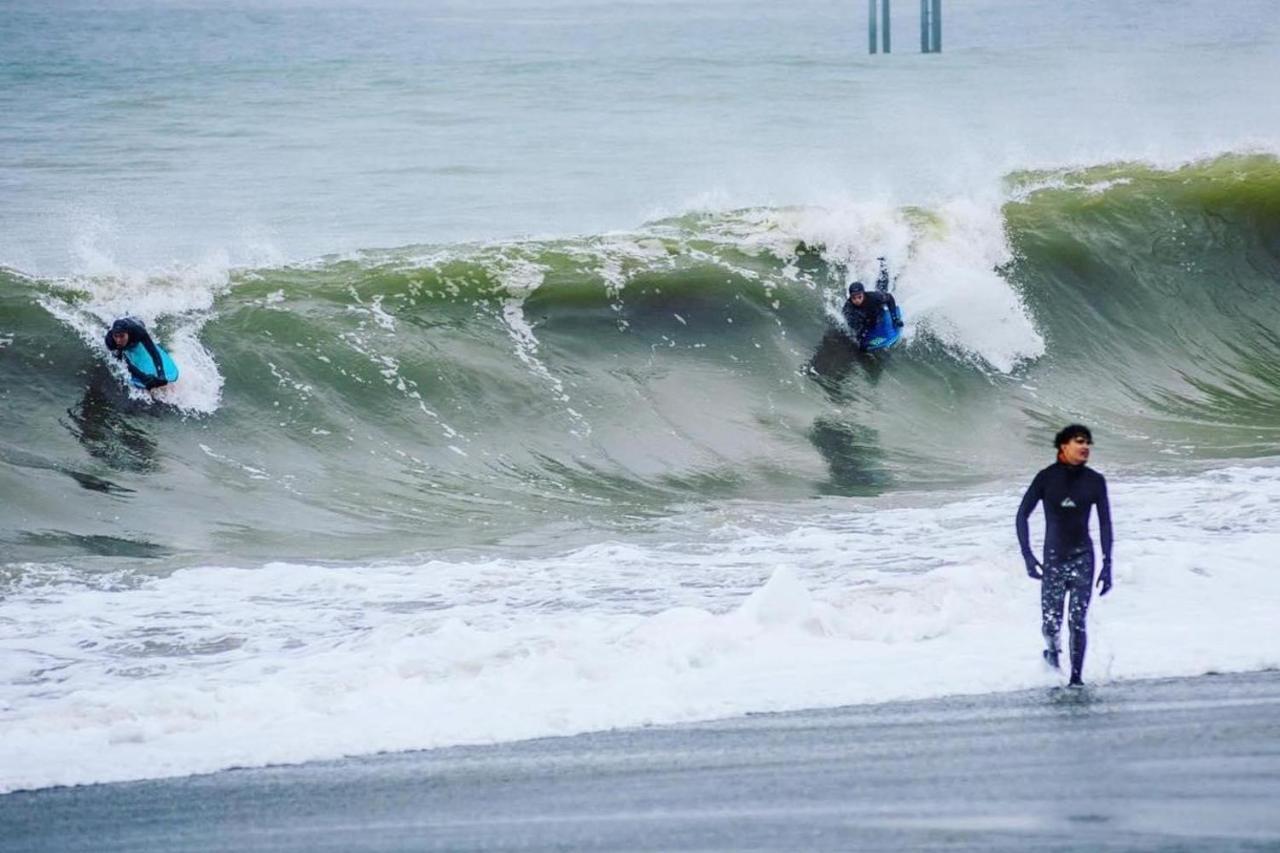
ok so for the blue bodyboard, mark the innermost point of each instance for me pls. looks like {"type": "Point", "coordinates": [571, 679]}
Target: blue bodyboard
{"type": "Point", "coordinates": [141, 359]}
{"type": "Point", "coordinates": [885, 334]}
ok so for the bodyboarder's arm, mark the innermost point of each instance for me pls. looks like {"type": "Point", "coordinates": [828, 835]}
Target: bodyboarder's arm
{"type": "Point", "coordinates": [894, 313]}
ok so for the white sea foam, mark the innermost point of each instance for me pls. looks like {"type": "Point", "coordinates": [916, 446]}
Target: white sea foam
{"type": "Point", "coordinates": [521, 278]}
{"type": "Point", "coordinates": [174, 304]}
{"type": "Point", "coordinates": [217, 667]}
{"type": "Point", "coordinates": [943, 261]}
{"type": "Point", "coordinates": [954, 289]}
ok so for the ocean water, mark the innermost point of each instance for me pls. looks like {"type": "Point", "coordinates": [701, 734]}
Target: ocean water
{"type": "Point", "coordinates": [513, 378]}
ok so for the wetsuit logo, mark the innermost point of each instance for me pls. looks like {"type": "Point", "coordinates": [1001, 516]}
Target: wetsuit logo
{"type": "Point", "coordinates": [1067, 502]}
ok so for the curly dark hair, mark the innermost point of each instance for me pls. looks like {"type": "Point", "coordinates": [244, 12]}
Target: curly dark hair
{"type": "Point", "coordinates": [1070, 431]}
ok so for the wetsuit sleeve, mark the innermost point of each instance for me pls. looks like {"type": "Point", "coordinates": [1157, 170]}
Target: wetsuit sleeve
{"type": "Point", "coordinates": [894, 314]}
{"type": "Point", "coordinates": [1104, 518]}
{"type": "Point", "coordinates": [1029, 500]}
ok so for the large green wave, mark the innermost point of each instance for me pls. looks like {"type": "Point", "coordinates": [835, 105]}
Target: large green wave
{"type": "Point", "coordinates": [457, 396]}
{"type": "Point", "coordinates": [1159, 292]}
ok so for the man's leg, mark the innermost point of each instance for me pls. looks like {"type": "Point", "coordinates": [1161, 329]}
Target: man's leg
{"type": "Point", "coordinates": [1081, 587]}
{"type": "Point", "coordinates": [1053, 590]}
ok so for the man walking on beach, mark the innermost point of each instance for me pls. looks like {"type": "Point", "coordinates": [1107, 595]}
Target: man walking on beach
{"type": "Point", "coordinates": [1069, 491]}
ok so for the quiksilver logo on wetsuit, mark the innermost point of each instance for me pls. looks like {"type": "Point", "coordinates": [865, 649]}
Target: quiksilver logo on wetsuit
{"type": "Point", "coordinates": [1068, 502]}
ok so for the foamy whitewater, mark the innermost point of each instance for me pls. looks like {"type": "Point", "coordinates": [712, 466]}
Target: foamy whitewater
{"type": "Point", "coordinates": [217, 667]}
{"type": "Point", "coordinates": [516, 399]}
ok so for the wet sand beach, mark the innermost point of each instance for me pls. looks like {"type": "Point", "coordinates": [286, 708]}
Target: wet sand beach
{"type": "Point", "coordinates": [1177, 764]}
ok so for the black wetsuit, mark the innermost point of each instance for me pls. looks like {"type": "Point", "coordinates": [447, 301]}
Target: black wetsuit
{"type": "Point", "coordinates": [138, 335]}
{"type": "Point", "coordinates": [1068, 493]}
{"type": "Point", "coordinates": [862, 319]}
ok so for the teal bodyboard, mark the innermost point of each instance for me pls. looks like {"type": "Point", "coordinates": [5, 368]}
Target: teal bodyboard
{"type": "Point", "coordinates": [141, 359]}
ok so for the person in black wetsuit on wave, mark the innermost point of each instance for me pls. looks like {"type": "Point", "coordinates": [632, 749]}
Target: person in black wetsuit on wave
{"type": "Point", "coordinates": [1069, 491]}
{"type": "Point", "coordinates": [862, 309]}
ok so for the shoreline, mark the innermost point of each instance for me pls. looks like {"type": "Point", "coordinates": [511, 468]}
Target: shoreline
{"type": "Point", "coordinates": [1134, 764]}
